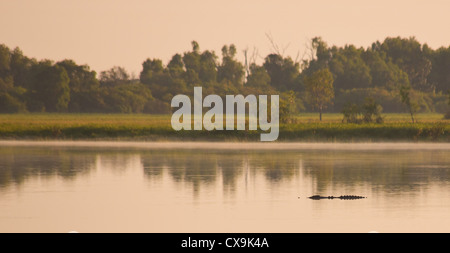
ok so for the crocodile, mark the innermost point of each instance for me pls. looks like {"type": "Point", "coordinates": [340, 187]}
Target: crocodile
{"type": "Point", "coordinates": [346, 197]}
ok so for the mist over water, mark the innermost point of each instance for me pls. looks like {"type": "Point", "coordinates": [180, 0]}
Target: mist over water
{"type": "Point", "coordinates": [233, 145]}
{"type": "Point", "coordinates": [223, 187]}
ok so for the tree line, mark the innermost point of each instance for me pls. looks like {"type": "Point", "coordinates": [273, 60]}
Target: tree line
{"type": "Point", "coordinates": [327, 80]}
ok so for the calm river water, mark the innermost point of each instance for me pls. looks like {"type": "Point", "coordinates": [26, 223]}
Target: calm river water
{"type": "Point", "coordinates": [223, 187]}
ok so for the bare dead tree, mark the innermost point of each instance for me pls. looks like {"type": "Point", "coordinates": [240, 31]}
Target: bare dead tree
{"type": "Point", "coordinates": [255, 55]}
{"type": "Point", "coordinates": [275, 48]}
{"type": "Point", "coordinates": [297, 57]}
{"type": "Point", "coordinates": [309, 53]}
{"type": "Point", "coordinates": [310, 49]}
{"type": "Point", "coordinates": [246, 66]}
{"type": "Point", "coordinates": [250, 59]}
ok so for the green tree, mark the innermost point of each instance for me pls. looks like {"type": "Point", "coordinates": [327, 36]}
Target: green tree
{"type": "Point", "coordinates": [176, 67]}
{"type": "Point", "coordinates": [369, 112]}
{"type": "Point", "coordinates": [287, 106]}
{"type": "Point", "coordinates": [164, 82]}
{"type": "Point", "coordinates": [410, 56]}
{"type": "Point", "coordinates": [230, 71]}
{"type": "Point", "coordinates": [11, 96]}
{"type": "Point", "coordinates": [372, 111]}
{"type": "Point", "coordinates": [84, 87]}
{"type": "Point", "coordinates": [447, 115]}
{"type": "Point", "coordinates": [152, 71]}
{"type": "Point", "coordinates": [351, 113]}
{"type": "Point", "coordinates": [258, 77]}
{"type": "Point", "coordinates": [10, 104]}
{"type": "Point", "coordinates": [349, 69]}
{"type": "Point", "coordinates": [448, 95]}
{"type": "Point", "coordinates": [154, 76]}
{"type": "Point", "coordinates": [191, 60]}
{"type": "Point", "coordinates": [114, 76]}
{"type": "Point", "coordinates": [6, 79]}
{"type": "Point", "coordinates": [208, 70]}
{"type": "Point", "coordinates": [385, 74]}
{"type": "Point", "coordinates": [201, 68]}
{"type": "Point", "coordinates": [21, 68]}
{"type": "Point", "coordinates": [320, 91]}
{"type": "Point", "coordinates": [440, 75]}
{"type": "Point", "coordinates": [405, 94]}
{"type": "Point", "coordinates": [176, 78]}
{"type": "Point", "coordinates": [320, 56]}
{"type": "Point", "coordinates": [127, 98]}
{"type": "Point", "coordinates": [5, 59]}
{"type": "Point", "coordinates": [49, 89]}
{"type": "Point", "coordinates": [283, 72]}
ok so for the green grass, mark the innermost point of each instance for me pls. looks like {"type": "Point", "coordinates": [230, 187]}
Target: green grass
{"type": "Point", "coordinates": [397, 127]}
{"type": "Point", "coordinates": [388, 118]}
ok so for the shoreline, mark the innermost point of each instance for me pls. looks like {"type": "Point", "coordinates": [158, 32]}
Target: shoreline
{"type": "Point", "coordinates": [231, 145]}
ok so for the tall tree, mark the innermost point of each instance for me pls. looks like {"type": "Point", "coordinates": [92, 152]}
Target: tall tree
{"type": "Point", "coordinates": [201, 67]}
{"type": "Point", "coordinates": [114, 76]}
{"type": "Point", "coordinates": [440, 75]}
{"type": "Point", "coordinates": [161, 80]}
{"type": "Point", "coordinates": [319, 87]}
{"type": "Point", "coordinates": [127, 98]}
{"type": "Point", "coordinates": [11, 96]}
{"type": "Point", "coordinates": [5, 59]}
{"type": "Point", "coordinates": [405, 94]}
{"type": "Point", "coordinates": [50, 90]}
{"type": "Point", "coordinates": [349, 69]}
{"type": "Point", "coordinates": [84, 87]}
{"type": "Point", "coordinates": [177, 76]}
{"type": "Point", "coordinates": [176, 66]}
{"type": "Point", "coordinates": [409, 55]}
{"type": "Point", "coordinates": [151, 71]}
{"type": "Point", "coordinates": [208, 70]}
{"type": "Point", "coordinates": [319, 56]}
{"type": "Point", "coordinates": [385, 74]}
{"type": "Point", "coordinates": [230, 71]}
{"type": "Point", "coordinates": [21, 68]}
{"type": "Point", "coordinates": [283, 72]}
{"type": "Point", "coordinates": [258, 77]}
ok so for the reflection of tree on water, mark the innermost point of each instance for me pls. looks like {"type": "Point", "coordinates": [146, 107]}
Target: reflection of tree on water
{"type": "Point", "coordinates": [230, 167]}
{"type": "Point", "coordinates": [193, 168]}
{"type": "Point", "coordinates": [119, 163]}
{"type": "Point", "coordinates": [154, 165]}
{"type": "Point", "coordinates": [327, 170]}
{"type": "Point", "coordinates": [18, 164]}
{"type": "Point", "coordinates": [381, 170]}
{"type": "Point", "coordinates": [276, 167]}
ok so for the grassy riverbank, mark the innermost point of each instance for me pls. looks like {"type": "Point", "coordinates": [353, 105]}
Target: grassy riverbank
{"type": "Point", "coordinates": [431, 127]}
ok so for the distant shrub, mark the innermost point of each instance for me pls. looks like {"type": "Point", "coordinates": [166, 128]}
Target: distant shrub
{"type": "Point", "coordinates": [387, 99]}
{"type": "Point", "coordinates": [351, 113]}
{"type": "Point", "coordinates": [390, 101]}
{"type": "Point", "coordinates": [372, 111]}
{"type": "Point", "coordinates": [288, 107]}
{"type": "Point", "coordinates": [447, 115]}
{"type": "Point", "coordinates": [369, 112]}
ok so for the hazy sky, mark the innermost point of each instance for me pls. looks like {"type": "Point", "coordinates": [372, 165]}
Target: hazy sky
{"type": "Point", "coordinates": [105, 33]}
